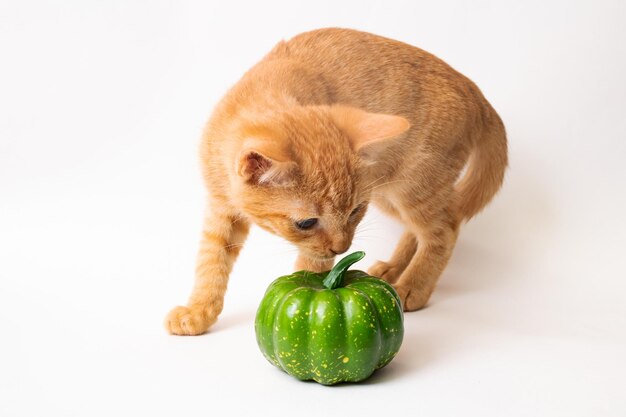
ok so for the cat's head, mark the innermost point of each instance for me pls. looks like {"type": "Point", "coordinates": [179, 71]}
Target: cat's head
{"type": "Point", "coordinates": [306, 174]}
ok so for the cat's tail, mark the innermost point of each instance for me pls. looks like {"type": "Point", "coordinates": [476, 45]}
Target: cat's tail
{"type": "Point", "coordinates": [485, 169]}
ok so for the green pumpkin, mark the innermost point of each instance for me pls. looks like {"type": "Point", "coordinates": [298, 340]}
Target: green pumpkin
{"type": "Point", "coordinates": [331, 327]}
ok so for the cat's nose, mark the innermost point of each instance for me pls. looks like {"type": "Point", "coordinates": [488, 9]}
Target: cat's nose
{"type": "Point", "coordinates": [341, 248]}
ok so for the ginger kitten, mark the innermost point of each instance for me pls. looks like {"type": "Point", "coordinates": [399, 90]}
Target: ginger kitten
{"type": "Point", "coordinates": [326, 123]}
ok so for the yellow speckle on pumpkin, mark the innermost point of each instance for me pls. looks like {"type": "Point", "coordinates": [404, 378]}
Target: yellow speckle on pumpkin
{"type": "Point", "coordinates": [346, 359]}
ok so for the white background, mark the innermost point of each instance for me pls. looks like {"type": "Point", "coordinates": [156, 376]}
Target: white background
{"type": "Point", "coordinates": [101, 109]}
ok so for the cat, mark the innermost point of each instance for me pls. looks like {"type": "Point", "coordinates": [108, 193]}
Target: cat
{"type": "Point", "coordinates": [324, 124]}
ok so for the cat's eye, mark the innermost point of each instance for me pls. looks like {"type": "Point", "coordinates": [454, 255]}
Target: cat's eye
{"type": "Point", "coordinates": [306, 224]}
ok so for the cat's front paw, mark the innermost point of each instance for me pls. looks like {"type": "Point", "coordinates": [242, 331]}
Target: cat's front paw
{"type": "Point", "coordinates": [186, 321]}
{"type": "Point", "coordinates": [412, 299]}
{"type": "Point", "coordinates": [385, 270]}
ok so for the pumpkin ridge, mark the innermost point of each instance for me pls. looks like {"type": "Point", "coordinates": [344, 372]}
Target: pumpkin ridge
{"type": "Point", "coordinates": [363, 338]}
{"type": "Point", "coordinates": [276, 334]}
{"type": "Point", "coordinates": [344, 323]}
{"type": "Point", "coordinates": [379, 323]}
{"type": "Point", "coordinates": [267, 315]}
{"type": "Point", "coordinates": [303, 342]}
{"type": "Point", "coordinates": [391, 344]}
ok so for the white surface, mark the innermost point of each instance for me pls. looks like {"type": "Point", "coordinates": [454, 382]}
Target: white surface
{"type": "Point", "coordinates": [101, 108]}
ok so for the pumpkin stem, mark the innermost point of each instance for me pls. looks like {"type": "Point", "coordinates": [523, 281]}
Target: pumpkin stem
{"type": "Point", "coordinates": [334, 279]}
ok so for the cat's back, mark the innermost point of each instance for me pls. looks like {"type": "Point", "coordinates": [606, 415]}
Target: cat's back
{"type": "Point", "coordinates": [371, 71]}
{"type": "Point", "coordinates": [337, 47]}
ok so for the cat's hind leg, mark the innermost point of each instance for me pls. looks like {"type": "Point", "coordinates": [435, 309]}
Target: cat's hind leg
{"type": "Point", "coordinates": [437, 236]}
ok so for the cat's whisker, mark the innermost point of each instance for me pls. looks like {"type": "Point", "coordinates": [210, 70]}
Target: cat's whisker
{"type": "Point", "coordinates": [360, 234]}
{"type": "Point", "coordinates": [367, 239]}
{"type": "Point", "coordinates": [233, 245]}
{"type": "Point", "coordinates": [369, 234]}
{"type": "Point", "coordinates": [385, 183]}
{"type": "Point", "coordinates": [366, 227]}
{"type": "Point", "coordinates": [373, 182]}
{"type": "Point", "coordinates": [366, 224]}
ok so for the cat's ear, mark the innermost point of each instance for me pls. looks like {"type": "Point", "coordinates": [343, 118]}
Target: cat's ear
{"type": "Point", "coordinates": [263, 165]}
{"type": "Point", "coordinates": [365, 129]}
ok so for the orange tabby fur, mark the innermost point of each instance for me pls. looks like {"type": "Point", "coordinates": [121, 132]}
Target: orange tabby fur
{"type": "Point", "coordinates": [327, 122]}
